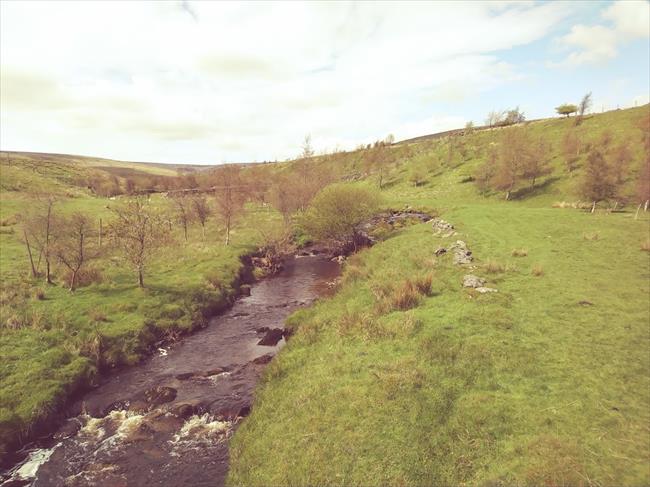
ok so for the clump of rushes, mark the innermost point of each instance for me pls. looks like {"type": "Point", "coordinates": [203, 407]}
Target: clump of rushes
{"type": "Point", "coordinates": [494, 267]}
{"type": "Point", "coordinates": [537, 270]}
{"type": "Point", "coordinates": [423, 284]}
{"type": "Point", "coordinates": [519, 252]}
{"type": "Point", "coordinates": [405, 295]}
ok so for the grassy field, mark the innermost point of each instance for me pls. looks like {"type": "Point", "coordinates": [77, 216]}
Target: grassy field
{"type": "Point", "coordinates": [546, 382]}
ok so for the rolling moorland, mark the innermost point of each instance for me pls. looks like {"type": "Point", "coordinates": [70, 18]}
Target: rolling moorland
{"type": "Point", "coordinates": [404, 376]}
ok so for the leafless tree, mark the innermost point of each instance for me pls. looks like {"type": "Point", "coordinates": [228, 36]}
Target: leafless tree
{"type": "Point", "coordinates": [201, 209]}
{"type": "Point", "coordinates": [38, 232]}
{"type": "Point", "coordinates": [229, 195]}
{"type": "Point", "coordinates": [495, 118]}
{"type": "Point", "coordinates": [307, 149]}
{"type": "Point", "coordinates": [583, 107]}
{"type": "Point", "coordinates": [183, 209]}
{"type": "Point", "coordinates": [598, 183]}
{"type": "Point", "coordinates": [138, 232]}
{"type": "Point", "coordinates": [75, 245]}
{"type": "Point", "coordinates": [283, 196]}
{"type": "Point", "coordinates": [537, 161]}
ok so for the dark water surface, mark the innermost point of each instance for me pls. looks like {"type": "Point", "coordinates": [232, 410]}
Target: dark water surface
{"type": "Point", "coordinates": [166, 422]}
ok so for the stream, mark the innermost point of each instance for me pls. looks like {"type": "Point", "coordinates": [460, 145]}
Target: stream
{"type": "Point", "coordinates": [167, 421]}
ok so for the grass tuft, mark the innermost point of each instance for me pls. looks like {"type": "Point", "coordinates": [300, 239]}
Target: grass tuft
{"type": "Point", "coordinates": [423, 284]}
{"type": "Point", "coordinates": [537, 270]}
{"type": "Point", "coordinates": [494, 267]}
{"type": "Point", "coordinates": [519, 252]}
{"type": "Point", "coordinates": [645, 246]}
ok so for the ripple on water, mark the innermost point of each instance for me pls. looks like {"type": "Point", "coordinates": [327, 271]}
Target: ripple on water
{"type": "Point", "coordinates": [200, 431]}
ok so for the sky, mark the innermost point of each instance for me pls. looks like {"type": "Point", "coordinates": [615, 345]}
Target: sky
{"type": "Point", "coordinates": [212, 82]}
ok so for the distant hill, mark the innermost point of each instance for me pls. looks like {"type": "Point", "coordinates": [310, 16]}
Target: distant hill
{"type": "Point", "coordinates": [35, 171]}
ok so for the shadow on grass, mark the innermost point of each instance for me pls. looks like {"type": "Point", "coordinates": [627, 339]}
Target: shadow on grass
{"type": "Point", "coordinates": [536, 190]}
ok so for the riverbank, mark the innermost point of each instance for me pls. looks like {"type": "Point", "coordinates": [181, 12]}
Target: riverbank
{"type": "Point", "coordinates": [167, 420]}
{"type": "Point", "coordinates": [60, 342]}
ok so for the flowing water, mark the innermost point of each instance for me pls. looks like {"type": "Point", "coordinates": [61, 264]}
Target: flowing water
{"type": "Point", "coordinates": [167, 421]}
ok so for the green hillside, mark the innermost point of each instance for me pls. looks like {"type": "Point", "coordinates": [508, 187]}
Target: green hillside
{"type": "Point", "coordinates": [544, 382]}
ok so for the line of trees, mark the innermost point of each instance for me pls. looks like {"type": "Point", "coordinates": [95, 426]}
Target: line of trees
{"type": "Point", "coordinates": [518, 159]}
{"type": "Point", "coordinates": [139, 228]}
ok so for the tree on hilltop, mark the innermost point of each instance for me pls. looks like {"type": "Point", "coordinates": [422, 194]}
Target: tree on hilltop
{"type": "Point", "coordinates": [566, 109]}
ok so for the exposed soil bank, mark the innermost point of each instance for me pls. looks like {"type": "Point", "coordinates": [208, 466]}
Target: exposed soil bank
{"type": "Point", "coordinates": [167, 420]}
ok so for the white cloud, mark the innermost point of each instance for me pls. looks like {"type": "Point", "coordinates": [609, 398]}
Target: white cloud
{"type": "Point", "coordinates": [598, 43]}
{"type": "Point", "coordinates": [631, 17]}
{"type": "Point", "coordinates": [210, 81]}
{"type": "Point", "coordinates": [594, 43]}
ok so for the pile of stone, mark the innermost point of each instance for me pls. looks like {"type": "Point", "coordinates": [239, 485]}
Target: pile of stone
{"type": "Point", "coordinates": [440, 226]}
{"type": "Point", "coordinates": [462, 255]}
{"type": "Point", "coordinates": [477, 283]}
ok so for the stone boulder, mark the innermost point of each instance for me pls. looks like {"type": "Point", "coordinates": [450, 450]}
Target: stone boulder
{"type": "Point", "coordinates": [484, 290]}
{"type": "Point", "coordinates": [462, 255]}
{"type": "Point", "coordinates": [441, 226]}
{"type": "Point", "coordinates": [272, 337]}
{"type": "Point", "coordinates": [470, 280]}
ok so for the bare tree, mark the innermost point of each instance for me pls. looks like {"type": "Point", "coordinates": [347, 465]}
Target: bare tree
{"type": "Point", "coordinates": [598, 183]}
{"type": "Point", "coordinates": [229, 195]}
{"type": "Point", "coordinates": [74, 244]}
{"type": "Point", "coordinates": [495, 118]}
{"type": "Point", "coordinates": [283, 196]}
{"type": "Point", "coordinates": [38, 232]}
{"type": "Point", "coordinates": [513, 152]}
{"type": "Point", "coordinates": [583, 107]}
{"type": "Point", "coordinates": [183, 208]}
{"type": "Point", "coordinates": [376, 159]}
{"type": "Point", "coordinates": [537, 161]}
{"type": "Point", "coordinates": [486, 171]}
{"type": "Point", "coordinates": [307, 150]}
{"type": "Point", "coordinates": [138, 232]}
{"type": "Point", "coordinates": [202, 210]}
